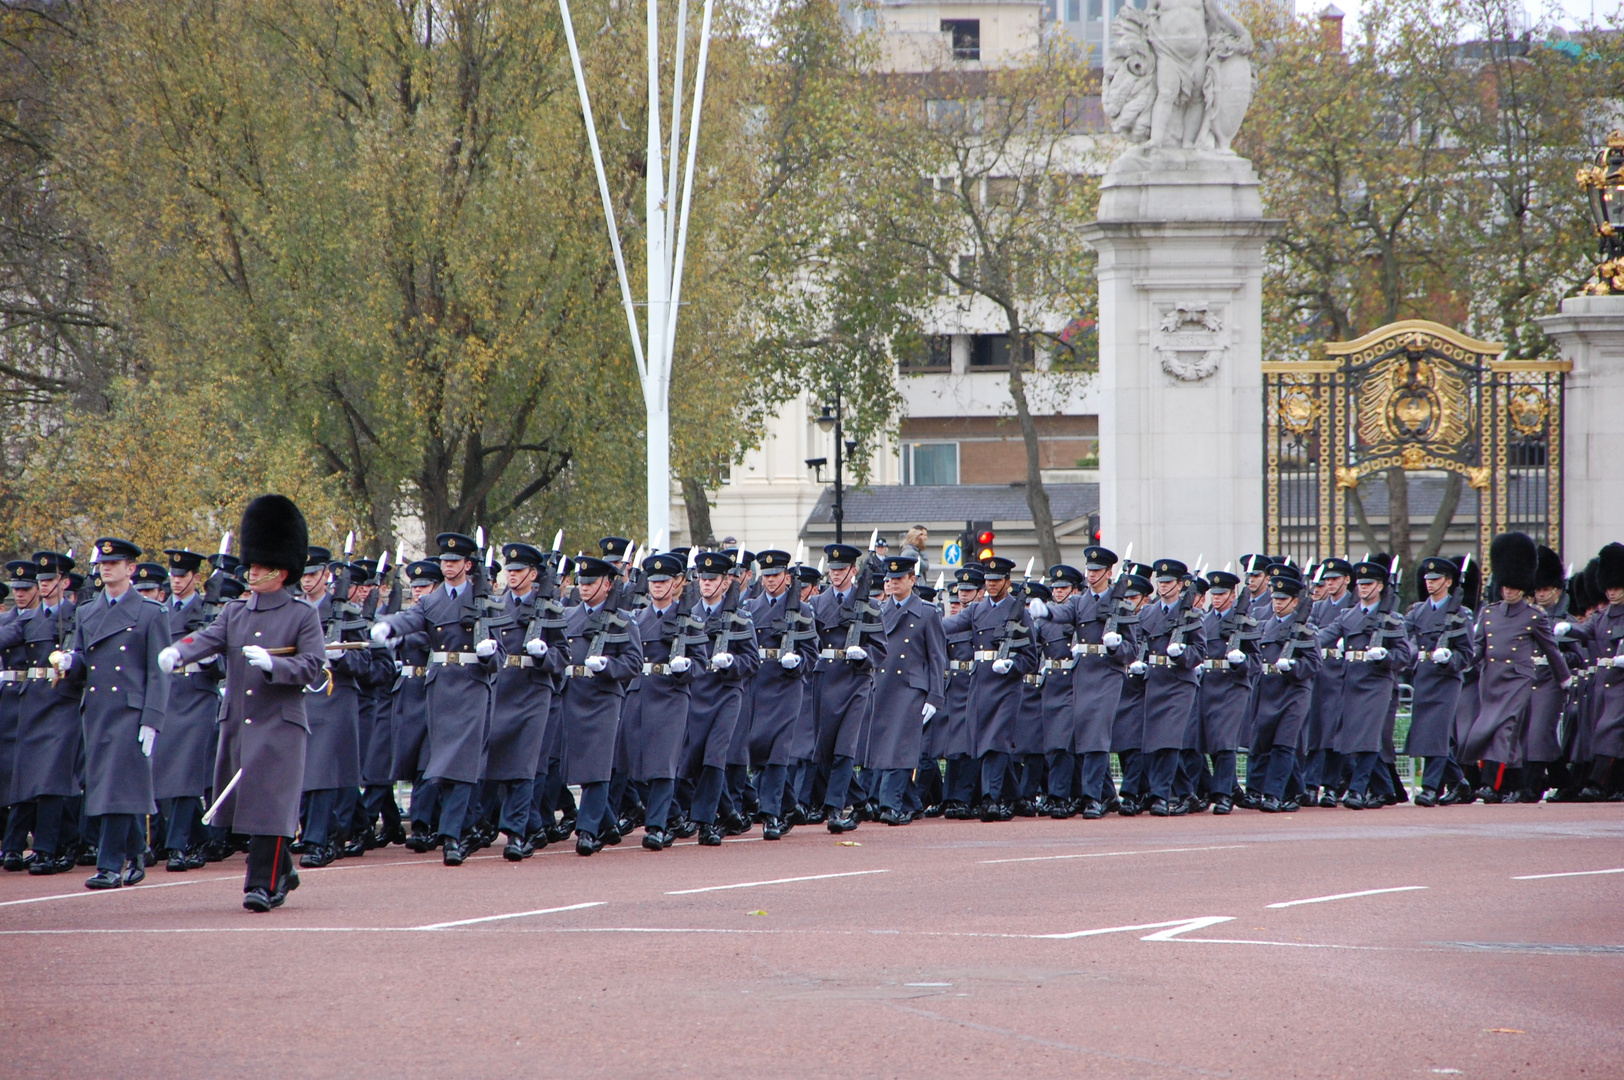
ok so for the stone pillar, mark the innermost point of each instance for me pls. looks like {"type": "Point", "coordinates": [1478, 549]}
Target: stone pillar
{"type": "Point", "coordinates": [1590, 334]}
{"type": "Point", "coordinates": [1180, 238]}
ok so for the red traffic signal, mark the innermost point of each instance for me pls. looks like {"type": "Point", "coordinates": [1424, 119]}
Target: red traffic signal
{"type": "Point", "coordinates": [984, 541]}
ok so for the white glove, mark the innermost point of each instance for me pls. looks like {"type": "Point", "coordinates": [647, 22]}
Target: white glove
{"type": "Point", "coordinates": [1138, 667]}
{"type": "Point", "coordinates": [1561, 628]}
{"type": "Point", "coordinates": [679, 664]}
{"type": "Point", "coordinates": [381, 633]}
{"type": "Point", "coordinates": [62, 661]}
{"type": "Point", "coordinates": [1604, 661]}
{"type": "Point", "coordinates": [1111, 640]}
{"type": "Point", "coordinates": [1377, 653]}
{"type": "Point", "coordinates": [1284, 664]}
{"type": "Point", "coordinates": [1175, 649]}
{"type": "Point", "coordinates": [721, 661]}
{"type": "Point", "coordinates": [335, 654]}
{"type": "Point", "coordinates": [1079, 649]}
{"type": "Point", "coordinates": [257, 656]}
{"type": "Point", "coordinates": [399, 667]}
{"type": "Point", "coordinates": [485, 649]}
{"type": "Point", "coordinates": [930, 711]}
{"type": "Point", "coordinates": [1037, 608]}
{"type": "Point", "coordinates": [856, 652]}
{"type": "Point", "coordinates": [597, 663]}
{"type": "Point", "coordinates": [1003, 667]}
{"type": "Point", "coordinates": [146, 737]}
{"type": "Point", "coordinates": [536, 647]}
{"type": "Point", "coordinates": [169, 660]}
{"type": "Point", "coordinates": [790, 661]}
{"type": "Point", "coordinates": [1236, 657]}
{"type": "Point", "coordinates": [1441, 655]}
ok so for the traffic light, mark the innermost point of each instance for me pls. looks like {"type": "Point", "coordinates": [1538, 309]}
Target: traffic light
{"type": "Point", "coordinates": [984, 540]}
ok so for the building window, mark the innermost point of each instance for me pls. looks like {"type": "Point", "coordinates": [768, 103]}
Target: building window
{"type": "Point", "coordinates": [933, 352]}
{"type": "Point", "coordinates": [930, 463]}
{"type": "Point", "coordinates": [1074, 10]}
{"type": "Point", "coordinates": [966, 37]}
{"type": "Point", "coordinates": [969, 273]}
{"type": "Point", "coordinates": [1096, 9]}
{"type": "Point", "coordinates": [989, 352]}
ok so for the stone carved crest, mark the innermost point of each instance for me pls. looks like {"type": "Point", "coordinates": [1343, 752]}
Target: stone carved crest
{"type": "Point", "coordinates": [1190, 340]}
{"type": "Point", "coordinates": [1179, 74]}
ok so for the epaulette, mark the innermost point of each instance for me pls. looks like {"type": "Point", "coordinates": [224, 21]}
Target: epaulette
{"type": "Point", "coordinates": [155, 603]}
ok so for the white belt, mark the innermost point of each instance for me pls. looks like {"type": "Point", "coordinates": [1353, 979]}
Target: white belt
{"type": "Point", "coordinates": [1052, 664]}
{"type": "Point", "coordinates": [1331, 654]}
{"type": "Point", "coordinates": [453, 658]}
{"type": "Point", "coordinates": [191, 669]}
{"type": "Point", "coordinates": [983, 655]}
{"type": "Point", "coordinates": [1159, 661]}
{"type": "Point", "coordinates": [1220, 665]}
{"type": "Point", "coordinates": [518, 661]}
{"type": "Point", "coordinates": [1542, 661]}
{"type": "Point", "coordinates": [830, 654]}
{"type": "Point", "coordinates": [1355, 654]}
{"type": "Point", "coordinates": [577, 671]}
{"type": "Point", "coordinates": [1033, 680]}
{"type": "Point", "coordinates": [11, 676]}
{"type": "Point", "coordinates": [38, 673]}
{"type": "Point", "coordinates": [771, 654]}
{"type": "Point", "coordinates": [1095, 650]}
{"type": "Point", "coordinates": [656, 669]}
{"type": "Point", "coordinates": [961, 665]}
{"type": "Point", "coordinates": [412, 672]}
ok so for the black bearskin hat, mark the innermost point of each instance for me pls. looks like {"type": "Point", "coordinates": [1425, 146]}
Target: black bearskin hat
{"type": "Point", "coordinates": [1471, 583]}
{"type": "Point", "coordinates": [1548, 574]}
{"type": "Point", "coordinates": [1611, 572]}
{"type": "Point", "coordinates": [1514, 559]}
{"type": "Point", "coordinates": [1579, 600]}
{"type": "Point", "coordinates": [1592, 578]}
{"type": "Point", "coordinates": [273, 533]}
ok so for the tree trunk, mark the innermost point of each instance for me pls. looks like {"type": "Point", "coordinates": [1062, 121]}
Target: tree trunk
{"type": "Point", "coordinates": [1446, 515]}
{"type": "Point", "coordinates": [697, 503]}
{"type": "Point", "coordinates": [1398, 515]}
{"type": "Point", "coordinates": [1037, 498]}
{"type": "Point", "coordinates": [1365, 528]}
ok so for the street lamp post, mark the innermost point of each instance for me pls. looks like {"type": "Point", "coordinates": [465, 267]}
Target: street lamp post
{"type": "Point", "coordinates": [832, 418]}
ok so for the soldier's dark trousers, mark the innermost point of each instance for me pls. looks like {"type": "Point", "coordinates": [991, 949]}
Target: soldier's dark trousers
{"type": "Point", "coordinates": [269, 863]}
{"type": "Point", "coordinates": [183, 814]}
{"type": "Point", "coordinates": [1282, 763]}
{"type": "Point", "coordinates": [593, 816]}
{"type": "Point", "coordinates": [660, 795]}
{"type": "Point", "coordinates": [345, 807]}
{"type": "Point", "coordinates": [994, 766]}
{"type": "Point", "coordinates": [707, 794]}
{"type": "Point", "coordinates": [319, 810]}
{"type": "Point", "coordinates": [517, 798]}
{"type": "Point", "coordinates": [840, 782]}
{"type": "Point", "coordinates": [456, 799]}
{"type": "Point", "coordinates": [1162, 772]}
{"type": "Point", "coordinates": [1364, 766]}
{"type": "Point", "coordinates": [49, 814]}
{"type": "Point", "coordinates": [741, 791]}
{"type": "Point", "coordinates": [893, 784]}
{"type": "Point", "coordinates": [121, 841]}
{"type": "Point", "coordinates": [1133, 764]}
{"type": "Point", "coordinates": [1095, 776]}
{"type": "Point", "coordinates": [1223, 773]}
{"type": "Point", "coordinates": [961, 779]}
{"type": "Point", "coordinates": [1062, 770]}
{"type": "Point", "coordinates": [18, 825]}
{"type": "Point", "coordinates": [1438, 771]}
{"type": "Point", "coordinates": [377, 802]}
{"type": "Point", "coordinates": [928, 782]}
{"type": "Point", "coordinates": [425, 800]}
{"type": "Point", "coordinates": [1257, 769]}
{"type": "Point", "coordinates": [772, 786]}
{"type": "Point", "coordinates": [1032, 778]}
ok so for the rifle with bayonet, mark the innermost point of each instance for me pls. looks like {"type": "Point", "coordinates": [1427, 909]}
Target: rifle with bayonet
{"type": "Point", "coordinates": [212, 601]}
{"type": "Point", "coordinates": [490, 615]}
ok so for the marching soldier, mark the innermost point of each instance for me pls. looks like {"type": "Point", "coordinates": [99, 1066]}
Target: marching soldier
{"type": "Point", "coordinates": [1231, 674]}
{"type": "Point", "coordinates": [333, 765]}
{"type": "Point", "coordinates": [1290, 657]}
{"type": "Point", "coordinates": [409, 715]}
{"type": "Point", "coordinates": [524, 696]}
{"type": "Point", "coordinates": [1541, 743]}
{"type": "Point", "coordinates": [273, 648]}
{"type": "Point", "coordinates": [45, 781]}
{"type": "Point", "coordinates": [908, 687]}
{"type": "Point", "coordinates": [183, 760]}
{"type": "Point", "coordinates": [654, 718]}
{"type": "Point", "coordinates": [1057, 633]}
{"type": "Point", "coordinates": [19, 819]}
{"type": "Point", "coordinates": [803, 742]}
{"type": "Point", "coordinates": [1374, 648]}
{"type": "Point", "coordinates": [1128, 724]}
{"type": "Point", "coordinates": [1324, 766]}
{"type": "Point", "coordinates": [462, 673]}
{"type": "Point", "coordinates": [1441, 627]}
{"type": "Point", "coordinates": [1512, 633]}
{"type": "Point", "coordinates": [953, 739]}
{"type": "Point", "coordinates": [851, 644]}
{"type": "Point", "coordinates": [788, 650]}
{"type": "Point", "coordinates": [716, 693]}
{"type": "Point", "coordinates": [1606, 704]}
{"type": "Point", "coordinates": [113, 662]}
{"type": "Point", "coordinates": [1106, 614]}
{"type": "Point", "coordinates": [1255, 579]}
{"type": "Point", "coordinates": [1005, 651]}
{"type": "Point", "coordinates": [1174, 649]}
{"type": "Point", "coordinates": [603, 653]}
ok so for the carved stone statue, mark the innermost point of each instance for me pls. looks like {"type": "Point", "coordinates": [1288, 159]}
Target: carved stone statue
{"type": "Point", "coordinates": [1179, 74]}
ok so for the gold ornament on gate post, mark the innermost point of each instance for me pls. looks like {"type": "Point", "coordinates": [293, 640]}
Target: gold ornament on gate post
{"type": "Point", "coordinates": [1603, 184]}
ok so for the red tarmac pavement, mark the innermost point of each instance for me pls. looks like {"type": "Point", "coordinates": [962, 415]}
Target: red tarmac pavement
{"type": "Point", "coordinates": [1120, 948]}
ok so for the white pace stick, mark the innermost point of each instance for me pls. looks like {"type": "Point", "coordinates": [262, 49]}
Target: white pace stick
{"type": "Point", "coordinates": [208, 815]}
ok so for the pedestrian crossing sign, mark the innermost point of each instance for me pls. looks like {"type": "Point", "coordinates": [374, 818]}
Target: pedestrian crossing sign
{"type": "Point", "coordinates": [952, 554]}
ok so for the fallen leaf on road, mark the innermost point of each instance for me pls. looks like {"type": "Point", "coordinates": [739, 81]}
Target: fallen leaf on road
{"type": "Point", "coordinates": [755, 913]}
{"type": "Point", "coordinates": [1504, 1031]}
{"type": "Point", "coordinates": [848, 843]}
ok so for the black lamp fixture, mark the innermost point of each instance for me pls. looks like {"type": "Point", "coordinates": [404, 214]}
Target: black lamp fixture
{"type": "Point", "coordinates": [830, 417]}
{"type": "Point", "coordinates": [1603, 183]}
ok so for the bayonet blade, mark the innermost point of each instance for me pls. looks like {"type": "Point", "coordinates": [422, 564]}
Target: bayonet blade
{"type": "Point", "coordinates": [225, 542]}
{"type": "Point", "coordinates": [558, 540]}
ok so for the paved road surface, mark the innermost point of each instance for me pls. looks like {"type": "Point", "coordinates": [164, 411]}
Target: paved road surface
{"type": "Point", "coordinates": [1122, 948]}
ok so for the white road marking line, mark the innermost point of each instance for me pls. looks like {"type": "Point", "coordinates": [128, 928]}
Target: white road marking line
{"type": "Point", "coordinates": [927, 984]}
{"type": "Point", "coordinates": [1347, 896]}
{"type": "Point", "coordinates": [127, 889]}
{"type": "Point", "coordinates": [774, 881]}
{"type": "Point", "coordinates": [1175, 927]}
{"type": "Point", "coordinates": [1107, 854]}
{"type": "Point", "coordinates": [512, 915]}
{"type": "Point", "coordinates": [1570, 873]}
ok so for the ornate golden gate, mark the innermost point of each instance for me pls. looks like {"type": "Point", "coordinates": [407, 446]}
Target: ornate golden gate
{"type": "Point", "coordinates": [1419, 396]}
